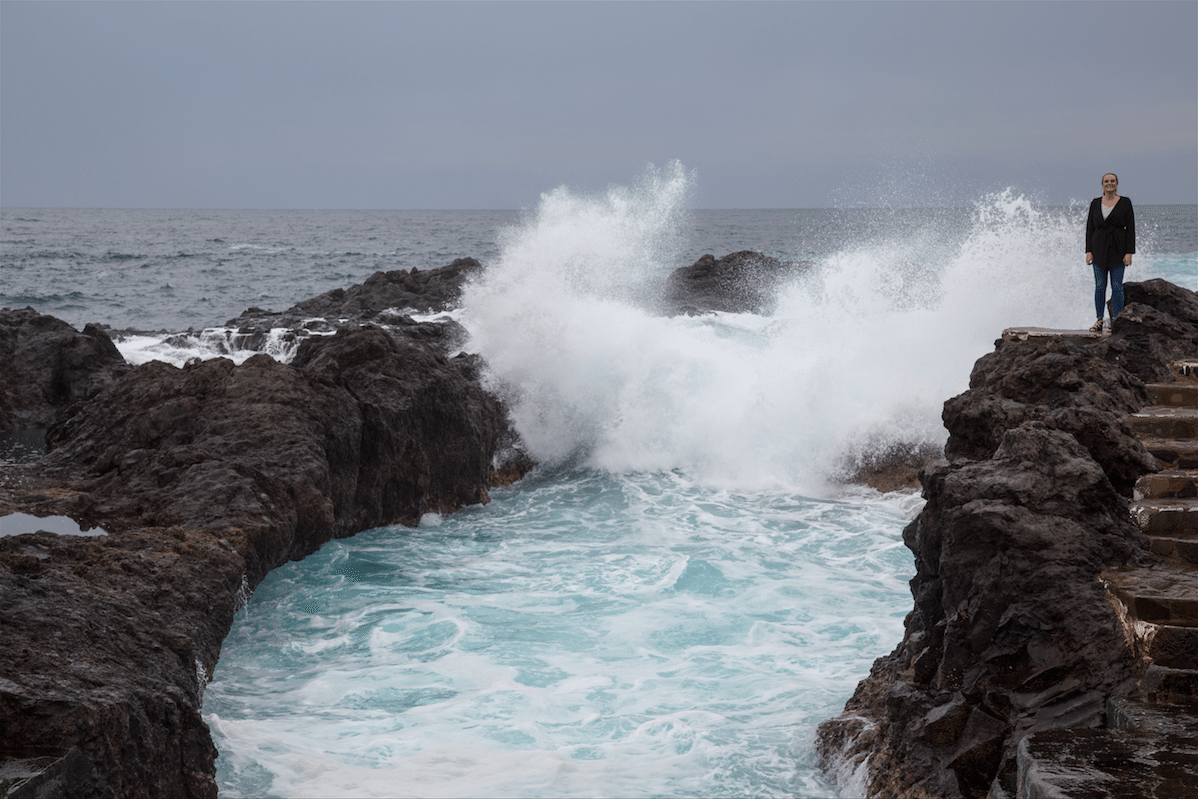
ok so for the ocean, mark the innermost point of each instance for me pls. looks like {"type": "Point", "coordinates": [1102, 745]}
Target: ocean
{"type": "Point", "coordinates": [684, 588]}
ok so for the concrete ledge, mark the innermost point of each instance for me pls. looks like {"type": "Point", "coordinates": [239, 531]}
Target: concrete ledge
{"type": "Point", "coordinates": [1041, 335]}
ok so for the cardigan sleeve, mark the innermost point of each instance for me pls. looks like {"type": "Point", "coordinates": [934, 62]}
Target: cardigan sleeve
{"type": "Point", "coordinates": [1090, 223]}
{"type": "Point", "coordinates": [1129, 243]}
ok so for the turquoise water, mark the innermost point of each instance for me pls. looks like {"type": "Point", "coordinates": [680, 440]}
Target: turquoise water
{"type": "Point", "coordinates": [583, 635]}
{"type": "Point", "coordinates": [1179, 268]}
{"type": "Point", "coordinates": [679, 595]}
{"type": "Point", "coordinates": [684, 589]}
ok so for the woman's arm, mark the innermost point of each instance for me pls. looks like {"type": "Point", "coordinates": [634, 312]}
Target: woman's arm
{"type": "Point", "coordinates": [1131, 230]}
{"type": "Point", "coordinates": [1090, 232]}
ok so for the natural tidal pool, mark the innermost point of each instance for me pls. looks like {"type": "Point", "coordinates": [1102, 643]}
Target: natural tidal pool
{"type": "Point", "coordinates": [585, 634]}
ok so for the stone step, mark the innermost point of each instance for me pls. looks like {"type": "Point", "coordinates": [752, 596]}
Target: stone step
{"type": "Point", "coordinates": [1174, 647]}
{"type": "Point", "coordinates": [1165, 684]}
{"type": "Point", "coordinates": [1167, 485]}
{"type": "Point", "coordinates": [1106, 764]}
{"type": "Point", "coordinates": [1179, 547]}
{"type": "Point", "coordinates": [1174, 395]}
{"type": "Point", "coordinates": [1165, 516]}
{"type": "Point", "coordinates": [1162, 718]}
{"type": "Point", "coordinates": [1160, 421]}
{"type": "Point", "coordinates": [1173, 454]}
{"type": "Point", "coordinates": [1159, 595]}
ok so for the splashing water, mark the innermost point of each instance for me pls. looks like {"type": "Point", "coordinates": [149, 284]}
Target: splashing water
{"type": "Point", "coordinates": [859, 356]}
{"type": "Point", "coordinates": [661, 608]}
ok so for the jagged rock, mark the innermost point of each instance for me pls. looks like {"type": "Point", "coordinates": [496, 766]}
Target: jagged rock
{"type": "Point", "coordinates": [1166, 297]}
{"type": "Point", "coordinates": [1011, 632]}
{"type": "Point", "coordinates": [1084, 387]}
{"type": "Point", "coordinates": [742, 282]}
{"type": "Point", "coordinates": [48, 365]}
{"type": "Point", "coordinates": [423, 291]}
{"type": "Point", "coordinates": [383, 298]}
{"type": "Point", "coordinates": [893, 469]}
{"type": "Point", "coordinates": [206, 477]}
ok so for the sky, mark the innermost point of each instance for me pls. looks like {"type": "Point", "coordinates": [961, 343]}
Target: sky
{"type": "Point", "coordinates": [482, 105]}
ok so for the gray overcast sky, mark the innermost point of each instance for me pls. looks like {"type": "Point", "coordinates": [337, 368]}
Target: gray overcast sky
{"type": "Point", "coordinates": [486, 105]}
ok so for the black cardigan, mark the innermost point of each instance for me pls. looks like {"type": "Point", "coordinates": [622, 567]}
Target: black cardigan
{"type": "Point", "coordinates": [1111, 238]}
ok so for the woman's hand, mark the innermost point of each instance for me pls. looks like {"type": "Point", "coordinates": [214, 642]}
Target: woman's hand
{"type": "Point", "coordinates": [1127, 260]}
{"type": "Point", "coordinates": [1089, 259]}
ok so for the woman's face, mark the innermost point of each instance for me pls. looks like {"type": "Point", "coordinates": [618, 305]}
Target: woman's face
{"type": "Point", "coordinates": [1109, 182]}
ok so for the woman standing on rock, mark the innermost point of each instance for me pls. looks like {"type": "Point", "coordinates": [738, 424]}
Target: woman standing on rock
{"type": "Point", "coordinates": [1110, 242]}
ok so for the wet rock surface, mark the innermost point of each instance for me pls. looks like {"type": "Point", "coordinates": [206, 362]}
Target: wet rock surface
{"type": "Point", "coordinates": [1012, 634]}
{"type": "Point", "coordinates": [385, 298]}
{"type": "Point", "coordinates": [205, 478]}
{"type": "Point", "coordinates": [742, 282]}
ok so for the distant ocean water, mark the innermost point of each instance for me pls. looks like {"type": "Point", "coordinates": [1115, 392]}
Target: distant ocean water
{"type": "Point", "coordinates": [672, 602]}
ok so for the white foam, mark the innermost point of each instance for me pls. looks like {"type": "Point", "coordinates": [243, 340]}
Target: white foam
{"type": "Point", "coordinates": [632, 635]}
{"type": "Point", "coordinates": [860, 355]}
{"type": "Point", "coordinates": [213, 342]}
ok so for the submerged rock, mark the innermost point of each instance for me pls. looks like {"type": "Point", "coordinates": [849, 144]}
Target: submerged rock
{"type": "Point", "coordinates": [742, 282]}
{"type": "Point", "coordinates": [1011, 632]}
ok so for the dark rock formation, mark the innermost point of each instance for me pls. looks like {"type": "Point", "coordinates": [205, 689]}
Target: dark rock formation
{"type": "Point", "coordinates": [206, 477]}
{"type": "Point", "coordinates": [384, 298]}
{"type": "Point", "coordinates": [743, 282]}
{"type": "Point", "coordinates": [424, 292]}
{"type": "Point", "coordinates": [49, 365]}
{"type": "Point", "coordinates": [894, 469]}
{"type": "Point", "coordinates": [1011, 632]}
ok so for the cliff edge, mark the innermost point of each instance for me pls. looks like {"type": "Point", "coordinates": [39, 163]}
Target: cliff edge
{"type": "Point", "coordinates": [201, 480]}
{"type": "Point", "coordinates": [1015, 633]}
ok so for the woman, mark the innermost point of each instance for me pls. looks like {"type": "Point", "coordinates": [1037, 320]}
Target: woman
{"type": "Point", "coordinates": [1110, 242]}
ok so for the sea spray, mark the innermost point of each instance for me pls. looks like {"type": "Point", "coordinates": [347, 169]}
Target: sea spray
{"type": "Point", "coordinates": [887, 329]}
{"type": "Point", "coordinates": [661, 608]}
{"type": "Point", "coordinates": [857, 359]}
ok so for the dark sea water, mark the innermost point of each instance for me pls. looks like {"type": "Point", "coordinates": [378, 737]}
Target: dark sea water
{"type": "Point", "coordinates": [174, 270]}
{"type": "Point", "coordinates": [682, 591]}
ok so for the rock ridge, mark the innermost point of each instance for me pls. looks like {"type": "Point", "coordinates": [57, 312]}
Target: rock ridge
{"type": "Point", "coordinates": [209, 475]}
{"type": "Point", "coordinates": [1013, 633]}
{"type": "Point", "coordinates": [205, 477]}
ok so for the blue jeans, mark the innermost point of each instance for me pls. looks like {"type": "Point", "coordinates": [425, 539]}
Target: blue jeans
{"type": "Point", "coordinates": [1100, 274]}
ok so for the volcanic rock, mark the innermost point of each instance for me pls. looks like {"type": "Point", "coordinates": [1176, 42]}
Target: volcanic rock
{"type": "Point", "coordinates": [1011, 632]}
{"type": "Point", "coordinates": [387, 298]}
{"type": "Point", "coordinates": [48, 365]}
{"type": "Point", "coordinates": [205, 478]}
{"type": "Point", "coordinates": [742, 282]}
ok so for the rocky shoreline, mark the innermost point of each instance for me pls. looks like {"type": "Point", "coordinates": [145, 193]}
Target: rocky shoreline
{"type": "Point", "coordinates": [1017, 648]}
{"type": "Point", "coordinates": [206, 477]}
{"type": "Point", "coordinates": [203, 479]}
